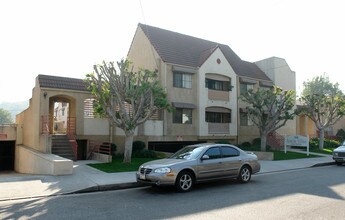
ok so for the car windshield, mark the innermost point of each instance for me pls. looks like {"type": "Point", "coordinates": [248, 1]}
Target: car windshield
{"type": "Point", "coordinates": [189, 152]}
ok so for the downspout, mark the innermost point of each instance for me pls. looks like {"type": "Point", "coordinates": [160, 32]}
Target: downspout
{"type": "Point", "coordinates": [237, 109]}
{"type": "Point", "coordinates": [165, 85]}
{"type": "Point", "coordinates": [111, 131]}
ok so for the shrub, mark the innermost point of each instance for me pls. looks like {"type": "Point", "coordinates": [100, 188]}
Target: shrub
{"type": "Point", "coordinates": [268, 148]}
{"type": "Point", "coordinates": [331, 143]}
{"type": "Point", "coordinates": [118, 155]}
{"type": "Point", "coordinates": [256, 142]}
{"type": "Point", "coordinates": [246, 145]}
{"type": "Point", "coordinates": [222, 142]}
{"type": "Point", "coordinates": [113, 149]}
{"type": "Point", "coordinates": [138, 146]}
{"type": "Point", "coordinates": [341, 134]}
{"type": "Point", "coordinates": [328, 143]}
{"type": "Point", "coordinates": [144, 154]}
{"type": "Point", "coordinates": [314, 143]}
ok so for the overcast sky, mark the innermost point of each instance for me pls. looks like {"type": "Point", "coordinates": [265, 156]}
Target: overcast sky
{"type": "Point", "coordinates": [67, 37]}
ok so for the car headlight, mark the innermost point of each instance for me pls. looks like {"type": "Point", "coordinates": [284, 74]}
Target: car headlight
{"type": "Point", "coordinates": [162, 170]}
{"type": "Point", "coordinates": [335, 153]}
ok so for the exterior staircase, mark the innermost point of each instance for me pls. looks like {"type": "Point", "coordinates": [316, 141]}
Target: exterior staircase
{"type": "Point", "coordinates": [62, 146]}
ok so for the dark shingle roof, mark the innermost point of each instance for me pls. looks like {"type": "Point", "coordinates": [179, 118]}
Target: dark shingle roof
{"type": "Point", "coordinates": [180, 49]}
{"type": "Point", "coordinates": [58, 82]}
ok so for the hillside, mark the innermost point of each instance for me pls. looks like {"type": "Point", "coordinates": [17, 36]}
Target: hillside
{"type": "Point", "coordinates": [14, 107]}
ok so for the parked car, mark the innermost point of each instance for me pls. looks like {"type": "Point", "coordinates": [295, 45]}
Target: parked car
{"type": "Point", "coordinates": [197, 163]}
{"type": "Point", "coordinates": [339, 154]}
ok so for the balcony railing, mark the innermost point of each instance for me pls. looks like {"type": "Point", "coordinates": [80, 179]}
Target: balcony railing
{"type": "Point", "coordinates": [218, 95]}
{"type": "Point", "coordinates": [218, 128]}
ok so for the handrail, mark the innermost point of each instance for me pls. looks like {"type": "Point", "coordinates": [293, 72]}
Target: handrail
{"type": "Point", "coordinates": [98, 147]}
{"type": "Point", "coordinates": [71, 134]}
{"type": "Point", "coordinates": [45, 119]}
{"type": "Point", "coordinates": [73, 142]}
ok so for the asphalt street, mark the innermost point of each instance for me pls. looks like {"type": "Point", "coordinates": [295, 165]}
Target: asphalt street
{"type": "Point", "coordinates": [312, 193]}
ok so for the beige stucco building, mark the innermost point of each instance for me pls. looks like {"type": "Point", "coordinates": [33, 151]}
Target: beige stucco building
{"type": "Point", "coordinates": [203, 80]}
{"type": "Point", "coordinates": [216, 77]}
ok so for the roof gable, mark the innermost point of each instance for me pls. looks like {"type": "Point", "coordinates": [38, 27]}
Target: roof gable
{"type": "Point", "coordinates": [180, 49]}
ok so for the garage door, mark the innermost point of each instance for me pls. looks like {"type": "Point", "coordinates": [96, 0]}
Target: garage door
{"type": "Point", "coordinates": [7, 149]}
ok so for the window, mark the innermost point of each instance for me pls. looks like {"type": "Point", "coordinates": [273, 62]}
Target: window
{"type": "Point", "coordinates": [245, 120]}
{"type": "Point", "coordinates": [182, 116]}
{"type": "Point", "coordinates": [182, 80]}
{"type": "Point", "coordinates": [213, 153]}
{"type": "Point", "coordinates": [245, 87]}
{"type": "Point", "coordinates": [218, 117]}
{"type": "Point", "coordinates": [229, 152]}
{"type": "Point", "coordinates": [266, 88]}
{"type": "Point", "coordinates": [218, 85]}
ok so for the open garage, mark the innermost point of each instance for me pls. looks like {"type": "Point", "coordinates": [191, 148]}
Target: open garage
{"type": "Point", "coordinates": [7, 149]}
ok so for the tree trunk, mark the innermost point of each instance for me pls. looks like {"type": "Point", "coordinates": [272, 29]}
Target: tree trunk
{"type": "Point", "coordinates": [127, 157]}
{"type": "Point", "coordinates": [263, 142]}
{"type": "Point", "coordinates": [321, 138]}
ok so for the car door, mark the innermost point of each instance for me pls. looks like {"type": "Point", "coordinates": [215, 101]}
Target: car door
{"type": "Point", "coordinates": [231, 160]}
{"type": "Point", "coordinates": [211, 167]}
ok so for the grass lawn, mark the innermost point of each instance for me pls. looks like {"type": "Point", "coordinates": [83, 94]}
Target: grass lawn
{"type": "Point", "coordinates": [324, 151]}
{"type": "Point", "coordinates": [316, 150]}
{"type": "Point", "coordinates": [117, 166]}
{"type": "Point", "coordinates": [280, 155]}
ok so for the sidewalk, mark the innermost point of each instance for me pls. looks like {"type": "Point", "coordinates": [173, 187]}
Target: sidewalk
{"type": "Point", "coordinates": [88, 179]}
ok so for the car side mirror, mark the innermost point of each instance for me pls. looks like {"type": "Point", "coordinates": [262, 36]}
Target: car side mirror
{"type": "Point", "coordinates": [205, 157]}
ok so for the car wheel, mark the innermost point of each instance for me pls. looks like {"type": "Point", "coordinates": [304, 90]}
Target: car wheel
{"type": "Point", "coordinates": [339, 163]}
{"type": "Point", "coordinates": [184, 181]}
{"type": "Point", "coordinates": [245, 174]}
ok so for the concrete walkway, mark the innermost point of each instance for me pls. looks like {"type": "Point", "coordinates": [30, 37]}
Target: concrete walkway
{"type": "Point", "coordinates": [88, 179]}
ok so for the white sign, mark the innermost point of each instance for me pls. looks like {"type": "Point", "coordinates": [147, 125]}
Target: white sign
{"type": "Point", "coordinates": [297, 140]}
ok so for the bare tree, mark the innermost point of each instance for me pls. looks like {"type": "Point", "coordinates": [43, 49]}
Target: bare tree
{"type": "Point", "coordinates": [269, 110]}
{"type": "Point", "coordinates": [128, 98]}
{"type": "Point", "coordinates": [323, 102]}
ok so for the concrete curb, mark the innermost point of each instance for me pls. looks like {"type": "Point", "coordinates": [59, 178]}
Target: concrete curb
{"type": "Point", "coordinates": [300, 168]}
{"type": "Point", "coordinates": [116, 186]}
{"type": "Point", "coordinates": [324, 164]}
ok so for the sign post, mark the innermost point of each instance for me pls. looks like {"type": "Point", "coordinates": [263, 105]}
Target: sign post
{"type": "Point", "coordinates": [297, 140]}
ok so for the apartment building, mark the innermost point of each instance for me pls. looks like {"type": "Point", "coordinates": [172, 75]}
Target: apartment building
{"type": "Point", "coordinates": [204, 80]}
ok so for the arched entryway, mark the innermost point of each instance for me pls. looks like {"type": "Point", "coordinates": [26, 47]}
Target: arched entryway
{"type": "Point", "coordinates": [62, 114]}
{"type": "Point", "coordinates": [61, 125]}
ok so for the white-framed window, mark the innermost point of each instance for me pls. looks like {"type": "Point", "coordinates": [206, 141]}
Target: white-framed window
{"type": "Point", "coordinates": [244, 87]}
{"type": "Point", "coordinates": [182, 80]}
{"type": "Point", "coordinates": [245, 120]}
{"type": "Point", "coordinates": [218, 85]}
{"type": "Point", "coordinates": [182, 116]}
{"type": "Point", "coordinates": [218, 117]}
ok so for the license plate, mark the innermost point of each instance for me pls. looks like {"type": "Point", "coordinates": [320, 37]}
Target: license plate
{"type": "Point", "coordinates": [142, 176]}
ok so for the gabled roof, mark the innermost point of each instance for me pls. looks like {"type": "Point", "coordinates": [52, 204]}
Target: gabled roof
{"type": "Point", "coordinates": [180, 49]}
{"type": "Point", "coordinates": [57, 82]}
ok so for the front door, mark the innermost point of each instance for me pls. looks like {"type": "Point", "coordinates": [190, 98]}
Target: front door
{"type": "Point", "coordinates": [211, 167]}
{"type": "Point", "coordinates": [231, 160]}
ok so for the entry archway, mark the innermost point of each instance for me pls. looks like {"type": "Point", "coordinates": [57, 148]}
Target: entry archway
{"type": "Point", "coordinates": [62, 114]}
